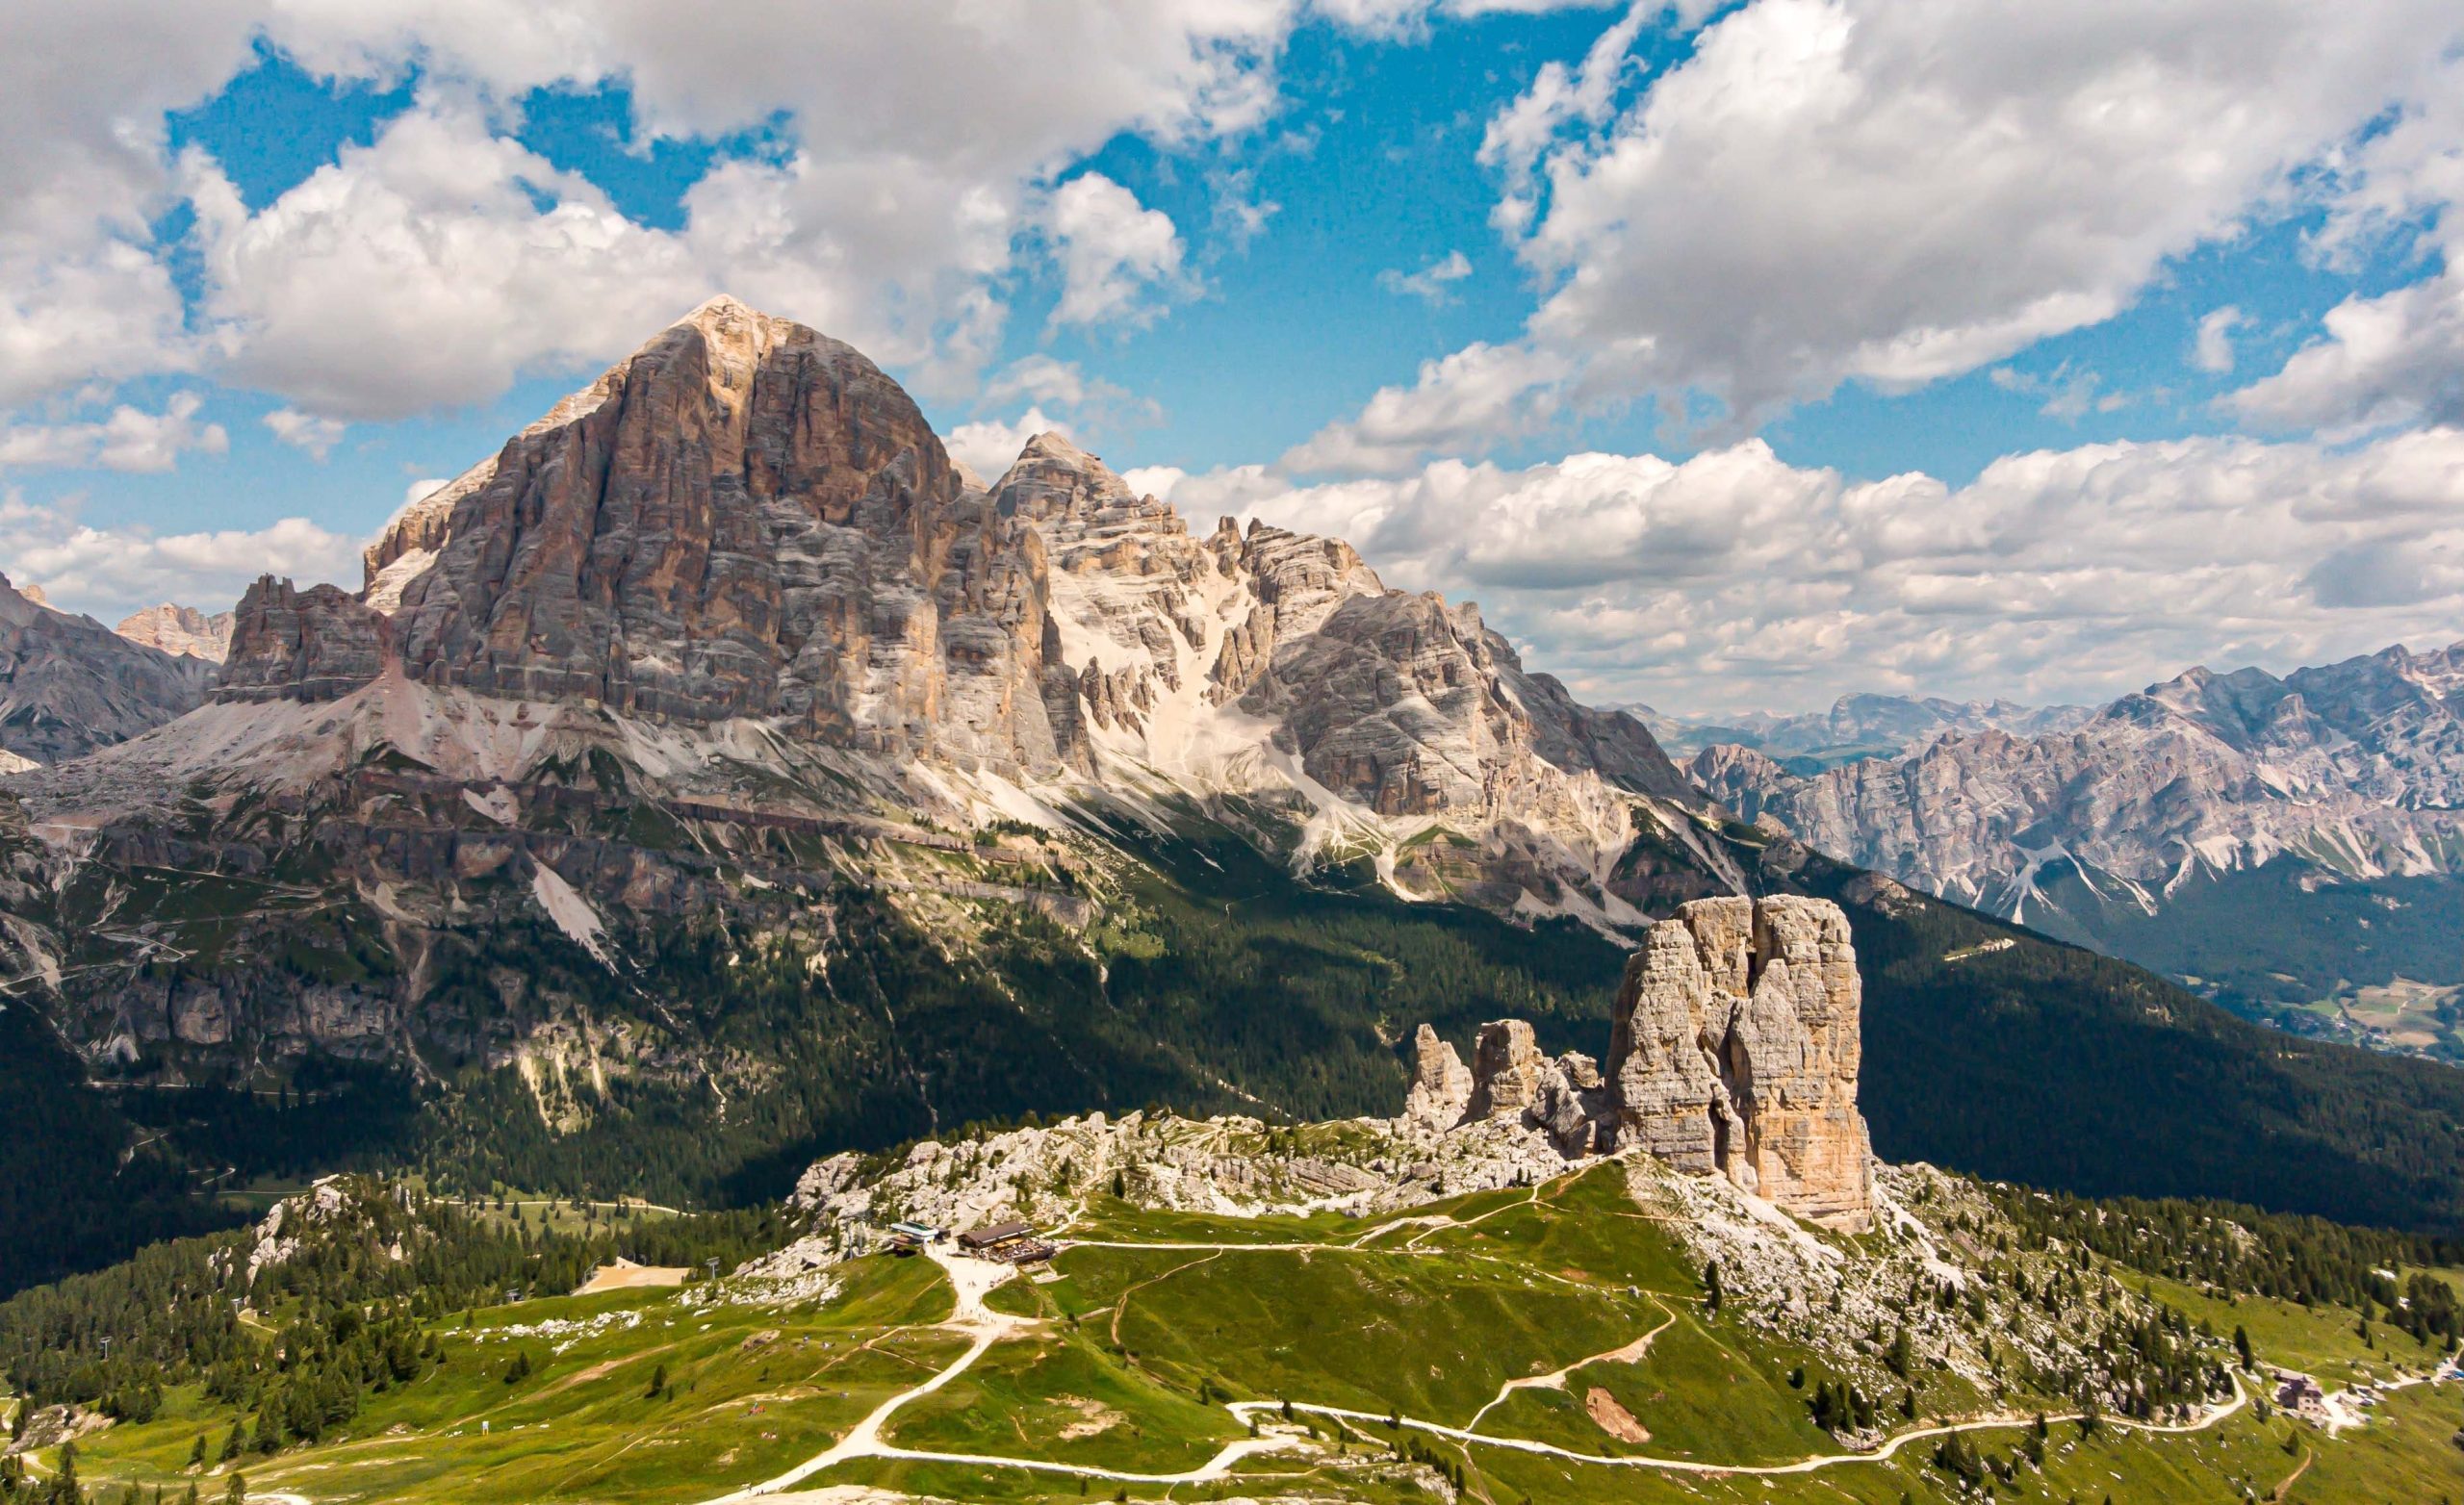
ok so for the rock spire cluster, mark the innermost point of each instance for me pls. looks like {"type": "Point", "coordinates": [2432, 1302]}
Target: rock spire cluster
{"type": "Point", "coordinates": [1734, 1050]}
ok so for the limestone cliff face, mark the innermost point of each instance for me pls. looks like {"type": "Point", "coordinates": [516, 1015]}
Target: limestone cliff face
{"type": "Point", "coordinates": [748, 525]}
{"type": "Point", "coordinates": [179, 632]}
{"type": "Point", "coordinates": [1736, 1048]}
{"type": "Point", "coordinates": [1733, 1051]}
{"type": "Point", "coordinates": [287, 643]}
{"type": "Point", "coordinates": [743, 518]}
{"type": "Point", "coordinates": [1441, 1087]}
{"type": "Point", "coordinates": [1412, 706]}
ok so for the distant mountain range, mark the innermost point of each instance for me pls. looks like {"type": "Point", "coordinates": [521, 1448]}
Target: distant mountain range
{"type": "Point", "coordinates": [1856, 726]}
{"type": "Point", "coordinates": [180, 631]}
{"type": "Point", "coordinates": [2290, 845]}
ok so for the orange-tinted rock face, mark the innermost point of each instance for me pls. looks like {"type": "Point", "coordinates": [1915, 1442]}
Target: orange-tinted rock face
{"type": "Point", "coordinates": [746, 519]}
{"type": "Point", "coordinates": [182, 631]}
{"type": "Point", "coordinates": [1735, 1048]}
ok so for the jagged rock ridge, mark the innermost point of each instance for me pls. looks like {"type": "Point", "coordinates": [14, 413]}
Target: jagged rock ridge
{"type": "Point", "coordinates": [746, 522]}
{"type": "Point", "coordinates": [2357, 767]}
{"type": "Point", "coordinates": [69, 684]}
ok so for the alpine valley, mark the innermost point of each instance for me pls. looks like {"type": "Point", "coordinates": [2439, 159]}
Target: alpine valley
{"type": "Point", "coordinates": [523, 1030]}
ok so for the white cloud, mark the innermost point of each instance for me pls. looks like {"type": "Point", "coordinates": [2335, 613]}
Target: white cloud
{"type": "Point", "coordinates": [1558, 97]}
{"type": "Point", "coordinates": [1470, 399]}
{"type": "Point", "coordinates": [1094, 406]}
{"type": "Point", "coordinates": [2211, 349]}
{"type": "Point", "coordinates": [2070, 393]}
{"type": "Point", "coordinates": [108, 311]}
{"type": "Point", "coordinates": [988, 447]}
{"type": "Point", "coordinates": [1432, 283]}
{"type": "Point", "coordinates": [128, 438]}
{"type": "Point", "coordinates": [1115, 252]}
{"type": "Point", "coordinates": [2396, 358]}
{"type": "Point", "coordinates": [1732, 579]}
{"type": "Point", "coordinates": [1397, 18]}
{"type": "Point", "coordinates": [914, 135]}
{"type": "Point", "coordinates": [1892, 190]}
{"type": "Point", "coordinates": [107, 572]}
{"type": "Point", "coordinates": [315, 435]}
{"type": "Point", "coordinates": [420, 270]}
{"type": "Point", "coordinates": [2385, 361]}
{"type": "Point", "coordinates": [1835, 189]}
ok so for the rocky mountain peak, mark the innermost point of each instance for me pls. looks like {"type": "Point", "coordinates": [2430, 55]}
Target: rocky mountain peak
{"type": "Point", "coordinates": [1734, 1050]}
{"type": "Point", "coordinates": [746, 523]}
{"type": "Point", "coordinates": [70, 685]}
{"type": "Point", "coordinates": [178, 630]}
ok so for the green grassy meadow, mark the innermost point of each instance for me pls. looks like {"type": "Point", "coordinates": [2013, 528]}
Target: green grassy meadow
{"type": "Point", "coordinates": [1125, 1362]}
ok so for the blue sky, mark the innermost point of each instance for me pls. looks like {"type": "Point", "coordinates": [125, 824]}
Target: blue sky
{"type": "Point", "coordinates": [258, 283]}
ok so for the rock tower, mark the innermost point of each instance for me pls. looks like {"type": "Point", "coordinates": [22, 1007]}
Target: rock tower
{"type": "Point", "coordinates": [1733, 1048]}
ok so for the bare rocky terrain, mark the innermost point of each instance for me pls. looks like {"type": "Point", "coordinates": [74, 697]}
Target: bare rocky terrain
{"type": "Point", "coordinates": [70, 685]}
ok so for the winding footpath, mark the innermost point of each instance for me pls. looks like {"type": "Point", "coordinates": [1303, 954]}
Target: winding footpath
{"type": "Point", "coordinates": [1819, 1460]}
{"type": "Point", "coordinates": [971, 1280]}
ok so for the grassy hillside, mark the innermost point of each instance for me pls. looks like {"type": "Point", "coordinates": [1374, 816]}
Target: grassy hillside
{"type": "Point", "coordinates": [1553, 1343]}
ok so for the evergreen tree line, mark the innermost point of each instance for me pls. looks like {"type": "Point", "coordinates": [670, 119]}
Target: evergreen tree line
{"type": "Point", "coordinates": [349, 1300]}
{"type": "Point", "coordinates": [2245, 1250]}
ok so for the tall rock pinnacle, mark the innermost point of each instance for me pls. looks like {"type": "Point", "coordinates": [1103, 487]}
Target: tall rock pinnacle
{"type": "Point", "coordinates": [1735, 1048]}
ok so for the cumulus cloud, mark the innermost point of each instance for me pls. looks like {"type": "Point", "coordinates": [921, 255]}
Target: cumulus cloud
{"type": "Point", "coordinates": [129, 439]}
{"type": "Point", "coordinates": [914, 141]}
{"type": "Point", "coordinates": [2212, 347]}
{"type": "Point", "coordinates": [1409, 17]}
{"type": "Point", "coordinates": [2398, 357]}
{"type": "Point", "coordinates": [1898, 191]}
{"type": "Point", "coordinates": [2395, 359]}
{"type": "Point", "coordinates": [1468, 400]}
{"type": "Point", "coordinates": [1115, 252]}
{"type": "Point", "coordinates": [430, 267]}
{"type": "Point", "coordinates": [109, 572]}
{"type": "Point", "coordinates": [988, 445]}
{"type": "Point", "coordinates": [315, 435]}
{"type": "Point", "coordinates": [1733, 581]}
{"type": "Point", "coordinates": [1432, 283]}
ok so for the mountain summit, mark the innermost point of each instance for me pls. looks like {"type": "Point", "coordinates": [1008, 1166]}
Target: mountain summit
{"type": "Point", "coordinates": [747, 525]}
